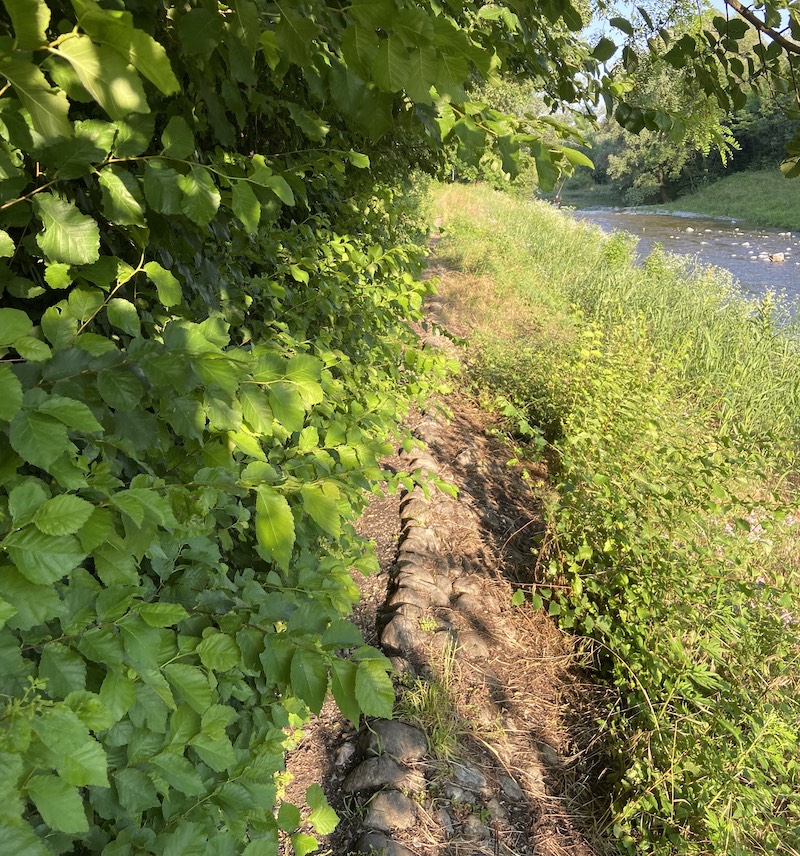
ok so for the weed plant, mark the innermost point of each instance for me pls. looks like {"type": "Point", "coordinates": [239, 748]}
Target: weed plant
{"type": "Point", "coordinates": [671, 406]}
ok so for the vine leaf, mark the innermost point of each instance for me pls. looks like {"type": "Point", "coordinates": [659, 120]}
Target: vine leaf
{"type": "Point", "coordinates": [323, 819]}
{"type": "Point", "coordinates": [309, 678]}
{"type": "Point", "coordinates": [69, 236]}
{"type": "Point", "coordinates": [38, 438]}
{"type": "Point", "coordinates": [373, 688]}
{"type": "Point", "coordinates": [166, 283]}
{"type": "Point", "coordinates": [200, 196]}
{"type": "Point", "coordinates": [122, 197]}
{"type": "Point", "coordinates": [10, 394]}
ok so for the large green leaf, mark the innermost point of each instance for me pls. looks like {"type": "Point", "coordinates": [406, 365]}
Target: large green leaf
{"type": "Point", "coordinates": [43, 558]}
{"type": "Point", "coordinates": [106, 75]}
{"type": "Point", "coordinates": [392, 67]}
{"type": "Point", "coordinates": [48, 107]}
{"type": "Point", "coordinates": [200, 195]}
{"type": "Point", "coordinates": [309, 677]}
{"type": "Point", "coordinates": [423, 68]}
{"type": "Point", "coordinates": [74, 414]}
{"type": "Point", "coordinates": [287, 406]}
{"type": "Point", "coordinates": [123, 315]}
{"type": "Point", "coordinates": [191, 683]}
{"type": "Point", "coordinates": [359, 47]}
{"type": "Point", "coordinates": [59, 804]}
{"type": "Point", "coordinates": [38, 438]}
{"type": "Point", "coordinates": [135, 790]}
{"type": "Point", "coordinates": [14, 323]}
{"type": "Point", "coordinates": [322, 508]}
{"type": "Point", "coordinates": [166, 283]}
{"type": "Point", "coordinates": [138, 48]}
{"type": "Point", "coordinates": [275, 524]}
{"type": "Point", "coordinates": [34, 604]}
{"type": "Point", "coordinates": [219, 652]}
{"type": "Point", "coordinates": [63, 669]}
{"type": "Point", "coordinates": [322, 819]}
{"type": "Point", "coordinates": [122, 197]}
{"type": "Point", "coordinates": [245, 205]}
{"type": "Point", "coordinates": [64, 514]}
{"type": "Point", "coordinates": [69, 236]}
{"type": "Point", "coordinates": [374, 690]}
{"type": "Point", "coordinates": [177, 139]}
{"type": "Point", "coordinates": [30, 20]}
{"type": "Point", "coordinates": [161, 187]}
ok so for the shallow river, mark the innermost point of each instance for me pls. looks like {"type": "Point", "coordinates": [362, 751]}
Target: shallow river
{"type": "Point", "coordinates": [742, 250]}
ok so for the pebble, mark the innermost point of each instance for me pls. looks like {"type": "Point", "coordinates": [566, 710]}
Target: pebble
{"type": "Point", "coordinates": [468, 777]}
{"type": "Point", "coordinates": [375, 773]}
{"type": "Point", "coordinates": [473, 829]}
{"type": "Point", "coordinates": [510, 788]}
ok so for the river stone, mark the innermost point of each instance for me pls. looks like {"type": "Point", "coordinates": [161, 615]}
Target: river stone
{"type": "Point", "coordinates": [442, 817]}
{"type": "Point", "coordinates": [404, 743]}
{"type": "Point", "coordinates": [407, 594]}
{"type": "Point", "coordinates": [411, 611]}
{"type": "Point", "coordinates": [468, 777]}
{"type": "Point", "coordinates": [469, 603]}
{"type": "Point", "coordinates": [510, 788]}
{"type": "Point", "coordinates": [445, 585]}
{"type": "Point", "coordinates": [432, 594]}
{"type": "Point", "coordinates": [401, 634]}
{"type": "Point", "coordinates": [375, 773]}
{"type": "Point", "coordinates": [468, 585]}
{"type": "Point", "coordinates": [415, 509]}
{"type": "Point", "coordinates": [412, 574]}
{"type": "Point", "coordinates": [473, 829]}
{"type": "Point", "coordinates": [375, 844]}
{"type": "Point", "coordinates": [420, 539]}
{"type": "Point", "coordinates": [473, 645]}
{"type": "Point", "coordinates": [390, 810]}
{"type": "Point", "coordinates": [456, 794]}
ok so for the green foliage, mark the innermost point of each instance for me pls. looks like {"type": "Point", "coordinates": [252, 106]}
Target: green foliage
{"type": "Point", "coordinates": [207, 267]}
{"type": "Point", "coordinates": [672, 531]}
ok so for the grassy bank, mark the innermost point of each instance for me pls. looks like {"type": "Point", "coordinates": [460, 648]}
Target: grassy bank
{"type": "Point", "coordinates": [760, 197]}
{"type": "Point", "coordinates": [671, 407]}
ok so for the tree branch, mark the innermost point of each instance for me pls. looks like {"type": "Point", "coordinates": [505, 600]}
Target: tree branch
{"type": "Point", "coordinates": [787, 44]}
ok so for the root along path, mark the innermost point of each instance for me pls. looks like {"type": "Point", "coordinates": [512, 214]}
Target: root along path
{"type": "Point", "coordinates": [492, 747]}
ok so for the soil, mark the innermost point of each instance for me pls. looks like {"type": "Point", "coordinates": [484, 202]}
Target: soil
{"type": "Point", "coordinates": [515, 704]}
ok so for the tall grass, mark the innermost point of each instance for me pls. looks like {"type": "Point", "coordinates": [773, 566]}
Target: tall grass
{"type": "Point", "coordinates": [671, 403]}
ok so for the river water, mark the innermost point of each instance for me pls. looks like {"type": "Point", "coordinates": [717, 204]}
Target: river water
{"type": "Point", "coordinates": [743, 250]}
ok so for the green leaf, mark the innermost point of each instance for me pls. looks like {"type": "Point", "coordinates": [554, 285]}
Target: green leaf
{"type": "Point", "coordinates": [604, 50]}
{"type": "Point", "coordinates": [48, 107]}
{"type": "Point", "coordinates": [69, 236]}
{"type": "Point", "coordinates": [218, 754]}
{"type": "Point", "coordinates": [64, 670]}
{"type": "Point", "coordinates": [423, 69]}
{"type": "Point", "coordinates": [41, 558]}
{"type": "Point", "coordinates": [60, 805]}
{"type": "Point", "coordinates": [323, 818]}
{"type": "Point", "coordinates": [309, 677]}
{"type": "Point", "coordinates": [274, 524]}
{"type": "Point", "coordinates": [200, 31]}
{"type": "Point", "coordinates": [133, 135]}
{"type": "Point", "coordinates": [322, 508]}
{"type": "Point", "coordinates": [74, 414]}
{"type": "Point", "coordinates": [289, 817]}
{"type": "Point", "coordinates": [14, 323]}
{"type": "Point", "coordinates": [518, 598]}
{"type": "Point", "coordinates": [191, 683]}
{"type": "Point", "coordinates": [123, 203]}
{"type": "Point", "coordinates": [135, 790]}
{"type": "Point", "coordinates": [245, 205]}
{"type": "Point", "coordinates": [392, 68]}
{"type": "Point", "coordinates": [24, 501]}
{"type": "Point", "coordinates": [287, 406]}
{"type": "Point", "coordinates": [161, 187]}
{"type": "Point", "coordinates": [30, 20]}
{"type": "Point", "coordinates": [6, 245]}
{"type": "Point", "coordinates": [38, 438]}
{"type": "Point", "coordinates": [32, 349]}
{"type": "Point", "coordinates": [622, 24]}
{"type": "Point", "coordinates": [359, 48]}
{"type": "Point", "coordinates": [63, 515]}
{"type": "Point", "coordinates": [200, 195]}
{"type": "Point", "coordinates": [358, 160]}
{"type": "Point", "coordinates": [373, 688]}
{"type": "Point", "coordinates": [57, 275]}
{"type": "Point", "coordinates": [179, 773]}
{"type": "Point", "coordinates": [280, 187]}
{"type": "Point", "coordinates": [294, 35]}
{"type": "Point", "coordinates": [218, 652]}
{"type": "Point", "coordinates": [303, 844]}
{"type": "Point", "coordinates": [85, 765]}
{"type": "Point", "coordinates": [7, 612]}
{"type": "Point", "coordinates": [177, 139]}
{"type": "Point", "coordinates": [123, 315]}
{"type": "Point", "coordinates": [10, 394]}
{"type": "Point", "coordinates": [106, 76]}
{"type": "Point", "coordinates": [162, 614]}
{"type": "Point", "coordinates": [166, 283]}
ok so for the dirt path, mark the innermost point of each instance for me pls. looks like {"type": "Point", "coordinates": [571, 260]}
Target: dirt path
{"type": "Point", "coordinates": [493, 754]}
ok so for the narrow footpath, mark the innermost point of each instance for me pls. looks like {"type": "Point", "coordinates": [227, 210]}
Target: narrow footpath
{"type": "Point", "coordinates": [492, 748]}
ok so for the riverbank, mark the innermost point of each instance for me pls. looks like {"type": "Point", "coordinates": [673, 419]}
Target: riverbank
{"type": "Point", "coordinates": [667, 406]}
{"type": "Point", "coordinates": [759, 197]}
{"type": "Point", "coordinates": [754, 197]}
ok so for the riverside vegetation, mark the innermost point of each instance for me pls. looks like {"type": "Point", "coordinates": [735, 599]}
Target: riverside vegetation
{"type": "Point", "coordinates": [670, 407]}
